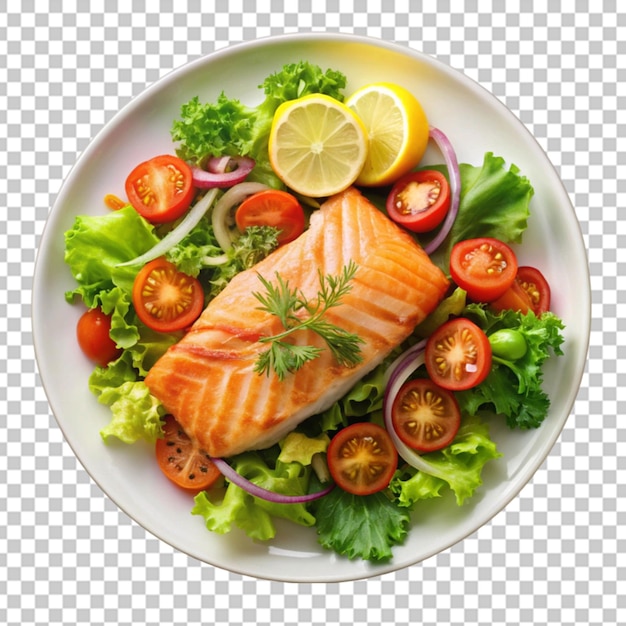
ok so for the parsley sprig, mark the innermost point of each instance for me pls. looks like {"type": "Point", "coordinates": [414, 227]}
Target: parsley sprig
{"type": "Point", "coordinates": [287, 304]}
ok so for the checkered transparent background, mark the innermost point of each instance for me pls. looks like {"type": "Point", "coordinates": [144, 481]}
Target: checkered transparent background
{"type": "Point", "coordinates": [554, 556]}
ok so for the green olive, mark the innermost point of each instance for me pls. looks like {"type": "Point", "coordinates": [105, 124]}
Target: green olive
{"type": "Point", "coordinates": [508, 344]}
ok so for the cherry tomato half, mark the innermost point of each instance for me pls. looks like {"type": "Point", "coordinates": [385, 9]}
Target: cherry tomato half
{"type": "Point", "coordinates": [484, 267]}
{"type": "Point", "coordinates": [529, 291]}
{"type": "Point", "coordinates": [272, 207]}
{"type": "Point", "coordinates": [182, 461]}
{"type": "Point", "coordinates": [93, 335]}
{"type": "Point", "coordinates": [362, 458]}
{"type": "Point", "coordinates": [420, 200]}
{"type": "Point", "coordinates": [425, 416]}
{"type": "Point", "coordinates": [161, 189]}
{"type": "Point", "coordinates": [166, 299]}
{"type": "Point", "coordinates": [458, 355]}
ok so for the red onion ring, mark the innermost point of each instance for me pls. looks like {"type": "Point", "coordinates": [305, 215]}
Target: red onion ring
{"type": "Point", "coordinates": [265, 494]}
{"type": "Point", "coordinates": [218, 165]}
{"type": "Point", "coordinates": [213, 177]}
{"type": "Point", "coordinates": [454, 176]}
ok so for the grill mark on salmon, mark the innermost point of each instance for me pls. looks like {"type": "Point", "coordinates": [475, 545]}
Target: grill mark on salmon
{"type": "Point", "coordinates": [207, 380]}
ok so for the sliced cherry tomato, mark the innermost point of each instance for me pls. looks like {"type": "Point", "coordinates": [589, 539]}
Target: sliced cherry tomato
{"type": "Point", "coordinates": [420, 200]}
{"type": "Point", "coordinates": [93, 335]}
{"type": "Point", "coordinates": [484, 267]}
{"type": "Point", "coordinates": [272, 207]}
{"type": "Point", "coordinates": [530, 291]}
{"type": "Point", "coordinates": [161, 189]}
{"type": "Point", "coordinates": [425, 416]}
{"type": "Point", "coordinates": [458, 355]}
{"type": "Point", "coordinates": [166, 299]}
{"type": "Point", "coordinates": [182, 461]}
{"type": "Point", "coordinates": [362, 458]}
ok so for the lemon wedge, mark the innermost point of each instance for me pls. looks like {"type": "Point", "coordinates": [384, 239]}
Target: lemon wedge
{"type": "Point", "coordinates": [317, 145]}
{"type": "Point", "coordinates": [397, 129]}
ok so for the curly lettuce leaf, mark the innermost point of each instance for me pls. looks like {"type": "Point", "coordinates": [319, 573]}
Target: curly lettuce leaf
{"type": "Point", "coordinates": [364, 527]}
{"type": "Point", "coordinates": [136, 413]}
{"type": "Point", "coordinates": [458, 466]}
{"type": "Point", "coordinates": [237, 509]}
{"type": "Point", "coordinates": [514, 388]}
{"type": "Point", "coordinates": [94, 247]}
{"type": "Point", "coordinates": [254, 515]}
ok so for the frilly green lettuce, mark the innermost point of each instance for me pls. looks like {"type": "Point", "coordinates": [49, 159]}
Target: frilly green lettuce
{"type": "Point", "coordinates": [254, 515]}
{"type": "Point", "coordinates": [461, 462]}
{"type": "Point", "coordinates": [94, 247]}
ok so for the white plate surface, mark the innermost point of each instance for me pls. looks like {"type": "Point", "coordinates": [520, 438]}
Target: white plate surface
{"type": "Point", "coordinates": [475, 122]}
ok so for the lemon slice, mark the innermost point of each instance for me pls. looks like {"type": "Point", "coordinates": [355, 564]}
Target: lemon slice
{"type": "Point", "coordinates": [317, 145]}
{"type": "Point", "coordinates": [397, 129]}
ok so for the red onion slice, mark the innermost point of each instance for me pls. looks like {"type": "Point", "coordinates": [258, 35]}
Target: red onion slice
{"type": "Point", "coordinates": [265, 494]}
{"type": "Point", "coordinates": [454, 177]}
{"type": "Point", "coordinates": [218, 165]}
{"type": "Point", "coordinates": [213, 177]}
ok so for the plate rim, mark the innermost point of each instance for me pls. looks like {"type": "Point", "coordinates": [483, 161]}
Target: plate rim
{"type": "Point", "coordinates": [529, 469]}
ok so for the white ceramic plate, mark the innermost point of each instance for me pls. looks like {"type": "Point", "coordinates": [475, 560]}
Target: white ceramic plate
{"type": "Point", "coordinates": [475, 122]}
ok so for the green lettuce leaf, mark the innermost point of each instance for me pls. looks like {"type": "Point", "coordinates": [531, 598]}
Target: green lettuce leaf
{"type": "Point", "coordinates": [459, 467]}
{"type": "Point", "coordinates": [453, 305]}
{"type": "Point", "coordinates": [94, 246]}
{"type": "Point", "coordinates": [254, 515]}
{"type": "Point", "coordinates": [360, 526]}
{"type": "Point", "coordinates": [237, 509]}
{"type": "Point", "coordinates": [136, 414]}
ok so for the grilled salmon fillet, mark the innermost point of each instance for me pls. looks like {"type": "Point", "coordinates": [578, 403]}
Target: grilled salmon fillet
{"type": "Point", "coordinates": [207, 380]}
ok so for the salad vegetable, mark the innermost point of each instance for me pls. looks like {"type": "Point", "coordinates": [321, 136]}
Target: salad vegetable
{"type": "Point", "coordinates": [362, 458]}
{"type": "Point", "coordinates": [93, 333]}
{"type": "Point", "coordinates": [425, 416]}
{"type": "Point", "coordinates": [420, 200]}
{"type": "Point", "coordinates": [275, 208]}
{"type": "Point", "coordinates": [529, 291]}
{"type": "Point", "coordinates": [485, 267]}
{"type": "Point", "coordinates": [413, 428]}
{"type": "Point", "coordinates": [182, 461]}
{"type": "Point", "coordinates": [166, 299]}
{"type": "Point", "coordinates": [458, 355]}
{"type": "Point", "coordinates": [160, 189]}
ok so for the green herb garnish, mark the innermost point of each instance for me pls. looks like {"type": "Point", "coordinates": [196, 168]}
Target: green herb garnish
{"type": "Point", "coordinates": [285, 303]}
